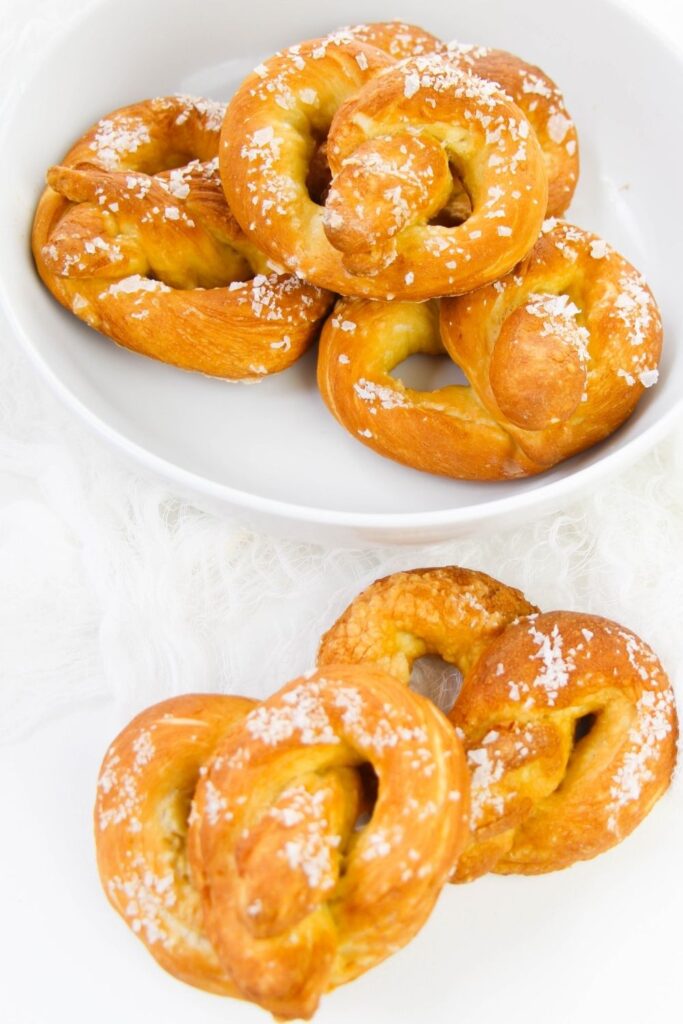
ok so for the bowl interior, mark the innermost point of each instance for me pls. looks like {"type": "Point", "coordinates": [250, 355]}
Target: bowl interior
{"type": "Point", "coordinates": [295, 452]}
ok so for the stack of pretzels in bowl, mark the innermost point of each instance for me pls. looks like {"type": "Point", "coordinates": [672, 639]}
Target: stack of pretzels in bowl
{"type": "Point", "coordinates": [274, 850]}
{"type": "Point", "coordinates": [391, 194]}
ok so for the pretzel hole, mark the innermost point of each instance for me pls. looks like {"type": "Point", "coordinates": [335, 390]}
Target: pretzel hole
{"type": "Point", "coordinates": [422, 372]}
{"type": "Point", "coordinates": [370, 787]}
{"type": "Point", "coordinates": [164, 161]}
{"type": "Point", "coordinates": [436, 679]}
{"type": "Point", "coordinates": [173, 816]}
{"type": "Point", "coordinates": [319, 174]}
{"type": "Point", "coordinates": [583, 727]}
{"type": "Point", "coordinates": [458, 206]}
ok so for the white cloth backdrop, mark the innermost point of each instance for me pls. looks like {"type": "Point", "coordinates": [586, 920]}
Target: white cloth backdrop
{"type": "Point", "coordinates": [112, 587]}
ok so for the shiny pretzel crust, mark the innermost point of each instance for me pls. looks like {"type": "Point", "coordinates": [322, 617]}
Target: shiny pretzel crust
{"type": "Point", "coordinates": [297, 898]}
{"type": "Point", "coordinates": [451, 612]}
{"type": "Point", "coordinates": [608, 341]}
{"type": "Point", "coordinates": [134, 236]}
{"type": "Point", "coordinates": [274, 851]}
{"type": "Point", "coordinates": [543, 103]}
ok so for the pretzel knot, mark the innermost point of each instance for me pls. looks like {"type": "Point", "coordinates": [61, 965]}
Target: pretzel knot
{"type": "Point", "coordinates": [556, 355]}
{"type": "Point", "coordinates": [395, 136]}
{"type": "Point", "coordinates": [133, 234]}
{"type": "Point", "coordinates": [324, 824]}
{"type": "Point", "coordinates": [568, 720]}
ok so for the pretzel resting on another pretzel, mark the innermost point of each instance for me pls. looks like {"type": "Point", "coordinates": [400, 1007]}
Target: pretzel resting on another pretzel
{"type": "Point", "coordinates": [392, 132]}
{"type": "Point", "coordinates": [569, 720]}
{"type": "Point", "coordinates": [134, 236]}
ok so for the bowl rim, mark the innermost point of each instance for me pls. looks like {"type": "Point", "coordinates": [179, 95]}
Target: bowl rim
{"type": "Point", "coordinates": [389, 523]}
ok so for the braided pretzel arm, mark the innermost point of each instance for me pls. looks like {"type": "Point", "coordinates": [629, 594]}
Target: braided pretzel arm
{"type": "Point", "coordinates": [144, 793]}
{"type": "Point", "coordinates": [298, 896]}
{"type": "Point", "coordinates": [452, 612]}
{"type": "Point", "coordinates": [542, 103]}
{"type": "Point", "coordinates": [397, 132]}
{"type": "Point", "coordinates": [134, 236]}
{"type": "Point", "coordinates": [560, 350]}
{"type": "Point", "coordinates": [570, 726]}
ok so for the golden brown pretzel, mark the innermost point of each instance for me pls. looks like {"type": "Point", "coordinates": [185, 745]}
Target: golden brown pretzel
{"type": "Point", "coordinates": [397, 131]}
{"type": "Point", "coordinates": [274, 851]}
{"type": "Point", "coordinates": [543, 104]}
{"type": "Point", "coordinates": [570, 725]}
{"type": "Point", "coordinates": [133, 235]}
{"type": "Point", "coordinates": [296, 899]}
{"type": "Point", "coordinates": [569, 720]}
{"type": "Point", "coordinates": [556, 354]}
{"type": "Point", "coordinates": [144, 792]}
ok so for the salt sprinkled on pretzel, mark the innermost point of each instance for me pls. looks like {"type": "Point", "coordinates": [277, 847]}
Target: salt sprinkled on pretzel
{"type": "Point", "coordinates": [570, 725]}
{"type": "Point", "coordinates": [390, 149]}
{"type": "Point", "coordinates": [569, 720]}
{"type": "Point", "coordinates": [300, 896]}
{"type": "Point", "coordinates": [556, 355]}
{"type": "Point", "coordinates": [133, 234]}
{"type": "Point", "coordinates": [561, 349]}
{"type": "Point", "coordinates": [144, 791]}
{"type": "Point", "coordinates": [543, 103]}
{"type": "Point", "coordinates": [396, 38]}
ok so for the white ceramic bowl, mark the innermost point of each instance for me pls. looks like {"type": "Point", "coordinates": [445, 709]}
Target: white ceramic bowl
{"type": "Point", "coordinates": [273, 452]}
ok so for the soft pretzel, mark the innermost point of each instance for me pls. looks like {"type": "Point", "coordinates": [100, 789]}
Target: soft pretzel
{"type": "Point", "coordinates": [390, 147]}
{"type": "Point", "coordinates": [133, 235]}
{"type": "Point", "coordinates": [543, 104]}
{"type": "Point", "coordinates": [570, 725]}
{"type": "Point", "coordinates": [144, 792]}
{"type": "Point", "coordinates": [569, 720]}
{"type": "Point", "coordinates": [556, 354]}
{"type": "Point", "coordinates": [298, 898]}
{"type": "Point", "coordinates": [274, 851]}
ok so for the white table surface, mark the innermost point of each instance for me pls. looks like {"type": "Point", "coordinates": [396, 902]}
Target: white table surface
{"type": "Point", "coordinates": [486, 947]}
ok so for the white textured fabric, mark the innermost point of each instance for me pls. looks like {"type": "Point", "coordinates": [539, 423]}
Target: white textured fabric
{"type": "Point", "coordinates": [111, 585]}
